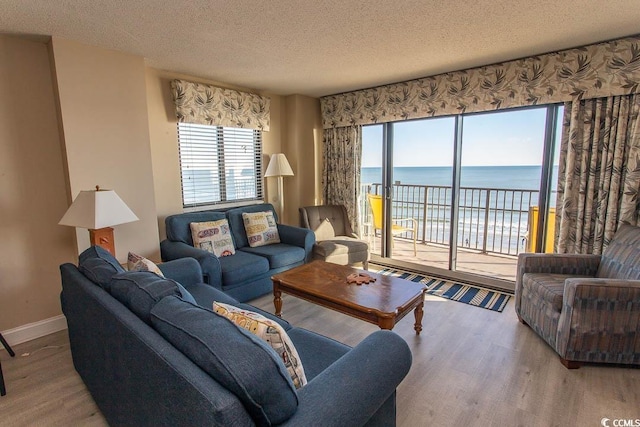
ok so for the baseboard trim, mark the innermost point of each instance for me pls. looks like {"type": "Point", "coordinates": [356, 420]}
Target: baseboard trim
{"type": "Point", "coordinates": [34, 330]}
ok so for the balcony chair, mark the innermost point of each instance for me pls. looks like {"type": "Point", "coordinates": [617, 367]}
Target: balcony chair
{"type": "Point", "coordinates": [375, 203]}
{"type": "Point", "coordinates": [586, 307]}
{"type": "Point", "coordinates": [335, 240]}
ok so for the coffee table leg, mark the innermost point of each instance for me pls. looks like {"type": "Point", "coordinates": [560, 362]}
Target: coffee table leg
{"type": "Point", "coordinates": [418, 313]}
{"type": "Point", "coordinates": [277, 300]}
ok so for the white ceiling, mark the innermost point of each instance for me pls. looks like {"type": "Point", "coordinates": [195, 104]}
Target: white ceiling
{"type": "Point", "coordinates": [322, 47]}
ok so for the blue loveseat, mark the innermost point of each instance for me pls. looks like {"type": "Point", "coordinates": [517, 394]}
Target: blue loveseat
{"type": "Point", "coordinates": [137, 374]}
{"type": "Point", "coordinates": [247, 274]}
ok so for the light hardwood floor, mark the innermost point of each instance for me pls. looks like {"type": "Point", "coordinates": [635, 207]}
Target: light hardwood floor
{"type": "Point", "coordinates": [471, 367]}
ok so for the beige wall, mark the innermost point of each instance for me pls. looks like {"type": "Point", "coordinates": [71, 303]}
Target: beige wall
{"type": "Point", "coordinates": [32, 187]}
{"type": "Point", "coordinates": [103, 108]}
{"type": "Point", "coordinates": [73, 116]}
{"type": "Point", "coordinates": [164, 141]}
{"type": "Point", "coordinates": [302, 146]}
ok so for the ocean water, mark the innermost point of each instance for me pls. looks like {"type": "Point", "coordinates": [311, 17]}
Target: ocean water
{"type": "Point", "coordinates": [494, 204]}
{"type": "Point", "coordinates": [508, 177]}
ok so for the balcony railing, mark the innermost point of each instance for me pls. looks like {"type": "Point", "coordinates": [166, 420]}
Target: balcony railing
{"type": "Point", "coordinates": [491, 220]}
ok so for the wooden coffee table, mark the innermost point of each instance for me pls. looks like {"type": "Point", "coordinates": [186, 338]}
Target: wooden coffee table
{"type": "Point", "coordinates": [383, 302]}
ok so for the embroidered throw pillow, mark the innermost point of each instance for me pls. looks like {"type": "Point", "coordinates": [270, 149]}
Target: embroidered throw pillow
{"type": "Point", "coordinates": [271, 332]}
{"type": "Point", "coordinates": [136, 262]}
{"type": "Point", "coordinates": [213, 236]}
{"type": "Point", "coordinates": [261, 228]}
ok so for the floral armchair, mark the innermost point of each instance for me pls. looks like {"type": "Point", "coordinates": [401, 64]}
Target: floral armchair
{"type": "Point", "coordinates": [586, 307]}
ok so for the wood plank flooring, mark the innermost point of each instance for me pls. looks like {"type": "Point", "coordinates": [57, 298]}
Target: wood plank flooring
{"type": "Point", "coordinates": [471, 367]}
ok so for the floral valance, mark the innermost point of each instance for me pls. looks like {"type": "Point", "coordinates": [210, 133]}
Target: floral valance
{"type": "Point", "coordinates": [210, 105]}
{"type": "Point", "coordinates": [595, 71]}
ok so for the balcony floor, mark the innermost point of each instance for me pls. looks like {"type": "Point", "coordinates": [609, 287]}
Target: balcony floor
{"type": "Point", "coordinates": [489, 265]}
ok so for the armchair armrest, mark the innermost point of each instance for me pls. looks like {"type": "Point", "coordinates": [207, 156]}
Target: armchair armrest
{"type": "Point", "coordinates": [412, 220]}
{"type": "Point", "coordinates": [211, 269]}
{"type": "Point", "coordinates": [599, 320]}
{"type": "Point", "coordinates": [351, 390]}
{"type": "Point", "coordinates": [297, 236]}
{"type": "Point", "coordinates": [185, 271]}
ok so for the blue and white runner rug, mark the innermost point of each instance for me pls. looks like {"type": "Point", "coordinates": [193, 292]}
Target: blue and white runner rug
{"type": "Point", "coordinates": [468, 294]}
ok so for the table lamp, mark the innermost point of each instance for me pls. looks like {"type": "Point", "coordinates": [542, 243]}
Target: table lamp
{"type": "Point", "coordinates": [279, 166]}
{"type": "Point", "coordinates": [98, 210]}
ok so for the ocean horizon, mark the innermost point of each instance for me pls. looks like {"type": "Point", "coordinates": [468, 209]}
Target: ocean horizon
{"type": "Point", "coordinates": [504, 177]}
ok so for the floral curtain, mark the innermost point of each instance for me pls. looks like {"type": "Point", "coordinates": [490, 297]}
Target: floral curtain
{"type": "Point", "coordinates": [599, 173]}
{"type": "Point", "coordinates": [595, 71]}
{"type": "Point", "coordinates": [341, 172]}
{"type": "Point", "coordinates": [209, 105]}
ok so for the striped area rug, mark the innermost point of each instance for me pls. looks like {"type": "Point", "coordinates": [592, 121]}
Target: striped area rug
{"type": "Point", "coordinates": [468, 294]}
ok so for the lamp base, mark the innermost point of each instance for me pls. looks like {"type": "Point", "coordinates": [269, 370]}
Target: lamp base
{"type": "Point", "coordinates": [103, 237]}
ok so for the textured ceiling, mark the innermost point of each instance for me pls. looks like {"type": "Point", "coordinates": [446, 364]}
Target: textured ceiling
{"type": "Point", "coordinates": [322, 47]}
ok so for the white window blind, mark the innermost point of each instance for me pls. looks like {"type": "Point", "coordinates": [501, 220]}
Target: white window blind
{"type": "Point", "coordinates": [219, 164]}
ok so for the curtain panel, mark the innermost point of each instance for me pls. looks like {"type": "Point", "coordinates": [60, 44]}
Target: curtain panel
{"type": "Point", "coordinates": [209, 105]}
{"type": "Point", "coordinates": [594, 71]}
{"type": "Point", "coordinates": [599, 172]}
{"type": "Point", "coordinates": [341, 171]}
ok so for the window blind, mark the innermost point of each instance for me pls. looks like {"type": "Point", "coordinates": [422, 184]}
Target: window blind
{"type": "Point", "coordinates": [219, 164]}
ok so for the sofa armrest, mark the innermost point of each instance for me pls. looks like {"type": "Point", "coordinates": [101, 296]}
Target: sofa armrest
{"type": "Point", "coordinates": [353, 388]}
{"type": "Point", "coordinates": [599, 319]}
{"type": "Point", "coordinates": [297, 236]}
{"type": "Point", "coordinates": [185, 271]}
{"type": "Point", "coordinates": [210, 265]}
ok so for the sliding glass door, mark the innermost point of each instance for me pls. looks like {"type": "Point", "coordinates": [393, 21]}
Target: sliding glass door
{"type": "Point", "coordinates": [473, 185]}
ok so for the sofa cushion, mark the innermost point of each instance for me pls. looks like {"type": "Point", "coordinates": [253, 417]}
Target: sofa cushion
{"type": "Point", "coordinates": [242, 267]}
{"type": "Point", "coordinates": [213, 236]}
{"type": "Point", "coordinates": [136, 262]}
{"type": "Point", "coordinates": [204, 295]}
{"type": "Point", "coordinates": [269, 331]}
{"type": "Point", "coordinates": [178, 226]}
{"type": "Point", "coordinates": [237, 359]}
{"type": "Point", "coordinates": [279, 255]}
{"type": "Point", "coordinates": [139, 291]}
{"type": "Point", "coordinates": [99, 266]}
{"type": "Point", "coordinates": [317, 352]}
{"type": "Point", "coordinates": [261, 228]}
{"type": "Point", "coordinates": [621, 258]}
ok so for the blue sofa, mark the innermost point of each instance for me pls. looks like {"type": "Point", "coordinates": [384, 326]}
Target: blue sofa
{"type": "Point", "coordinates": [247, 274]}
{"type": "Point", "coordinates": [138, 376]}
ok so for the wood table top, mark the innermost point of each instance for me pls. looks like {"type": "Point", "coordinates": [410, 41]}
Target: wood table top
{"type": "Point", "coordinates": [329, 282]}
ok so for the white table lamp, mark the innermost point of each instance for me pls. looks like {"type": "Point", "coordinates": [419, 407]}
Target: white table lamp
{"type": "Point", "coordinates": [279, 167]}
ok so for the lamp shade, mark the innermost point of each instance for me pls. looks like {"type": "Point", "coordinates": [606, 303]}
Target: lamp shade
{"type": "Point", "coordinates": [97, 209]}
{"type": "Point", "coordinates": [278, 166]}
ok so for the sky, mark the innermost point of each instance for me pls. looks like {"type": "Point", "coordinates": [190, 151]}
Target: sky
{"type": "Point", "coordinates": [504, 138]}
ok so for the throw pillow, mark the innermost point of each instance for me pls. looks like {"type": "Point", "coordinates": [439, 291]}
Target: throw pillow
{"type": "Point", "coordinates": [261, 228]}
{"type": "Point", "coordinates": [271, 332]}
{"type": "Point", "coordinates": [237, 359]}
{"type": "Point", "coordinates": [139, 263]}
{"type": "Point", "coordinates": [213, 236]}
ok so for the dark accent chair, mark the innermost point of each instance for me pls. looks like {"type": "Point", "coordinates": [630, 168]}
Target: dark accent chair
{"type": "Point", "coordinates": [335, 240]}
{"type": "Point", "coordinates": [586, 307]}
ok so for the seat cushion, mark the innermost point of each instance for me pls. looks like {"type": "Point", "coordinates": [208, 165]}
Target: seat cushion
{"type": "Point", "coordinates": [339, 246]}
{"type": "Point", "coordinates": [316, 351]}
{"type": "Point", "coordinates": [237, 359]}
{"type": "Point", "coordinates": [99, 266]}
{"type": "Point", "coordinates": [279, 254]}
{"type": "Point", "coordinates": [204, 295]}
{"type": "Point", "coordinates": [242, 266]}
{"type": "Point", "coordinates": [547, 287]}
{"type": "Point", "coordinates": [141, 290]}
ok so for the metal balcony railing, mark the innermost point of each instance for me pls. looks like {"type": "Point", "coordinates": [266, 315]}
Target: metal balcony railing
{"type": "Point", "coordinates": [491, 220]}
